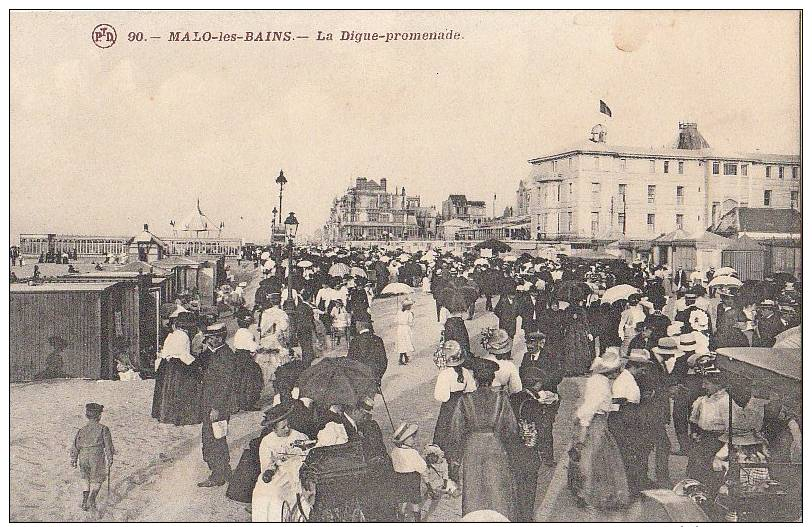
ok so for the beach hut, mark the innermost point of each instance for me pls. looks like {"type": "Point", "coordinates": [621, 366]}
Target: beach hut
{"type": "Point", "coordinates": [746, 256]}
{"type": "Point", "coordinates": [90, 318]}
{"type": "Point", "coordinates": [689, 250]}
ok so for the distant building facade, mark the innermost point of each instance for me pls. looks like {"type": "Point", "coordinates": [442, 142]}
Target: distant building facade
{"type": "Point", "coordinates": [459, 207]}
{"type": "Point", "coordinates": [367, 211]}
{"type": "Point", "coordinates": [600, 191]}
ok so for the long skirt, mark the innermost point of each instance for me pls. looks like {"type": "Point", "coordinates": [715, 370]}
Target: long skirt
{"type": "Point", "coordinates": [487, 477]}
{"type": "Point", "coordinates": [578, 351]}
{"type": "Point", "coordinates": [249, 382]}
{"type": "Point", "coordinates": [599, 476]}
{"type": "Point", "coordinates": [443, 426]}
{"type": "Point", "coordinates": [244, 478]}
{"type": "Point", "coordinates": [270, 500]}
{"type": "Point", "coordinates": [176, 398]}
{"type": "Point", "coordinates": [403, 340]}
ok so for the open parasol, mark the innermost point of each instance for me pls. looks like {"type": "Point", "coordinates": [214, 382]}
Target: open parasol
{"type": "Point", "coordinates": [619, 292]}
{"type": "Point", "coordinates": [724, 271]}
{"type": "Point", "coordinates": [457, 299]}
{"type": "Point", "coordinates": [494, 245]}
{"type": "Point", "coordinates": [337, 380]}
{"type": "Point", "coordinates": [397, 288]}
{"type": "Point", "coordinates": [305, 264]}
{"type": "Point", "coordinates": [339, 269]}
{"type": "Point", "coordinates": [357, 271]}
{"type": "Point", "coordinates": [725, 281]}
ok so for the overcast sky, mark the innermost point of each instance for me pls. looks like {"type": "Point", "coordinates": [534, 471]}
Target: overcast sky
{"type": "Point", "coordinates": [104, 140]}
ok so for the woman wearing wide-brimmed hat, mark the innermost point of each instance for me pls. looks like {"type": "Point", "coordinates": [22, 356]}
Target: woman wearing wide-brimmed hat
{"type": "Point", "coordinates": [452, 381]}
{"type": "Point", "coordinates": [597, 475]}
{"type": "Point", "coordinates": [281, 454]}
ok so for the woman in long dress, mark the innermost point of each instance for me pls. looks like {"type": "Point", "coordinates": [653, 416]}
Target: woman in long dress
{"type": "Point", "coordinates": [281, 455]}
{"type": "Point", "coordinates": [596, 473]}
{"type": "Point", "coordinates": [452, 381]}
{"type": "Point", "coordinates": [248, 374]}
{"type": "Point", "coordinates": [176, 398]}
{"type": "Point", "coordinates": [483, 431]}
{"type": "Point", "coordinates": [578, 344]}
{"type": "Point", "coordinates": [404, 322]}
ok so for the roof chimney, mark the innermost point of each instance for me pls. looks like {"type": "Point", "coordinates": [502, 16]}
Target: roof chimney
{"type": "Point", "coordinates": [146, 227]}
{"type": "Point", "coordinates": [690, 138]}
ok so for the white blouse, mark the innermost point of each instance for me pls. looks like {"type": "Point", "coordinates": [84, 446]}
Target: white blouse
{"type": "Point", "coordinates": [597, 398]}
{"type": "Point", "coordinates": [447, 384]}
{"type": "Point", "coordinates": [274, 448]}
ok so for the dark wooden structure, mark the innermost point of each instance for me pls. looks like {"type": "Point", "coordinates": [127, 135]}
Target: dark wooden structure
{"type": "Point", "coordinates": [746, 256]}
{"type": "Point", "coordinates": [89, 316]}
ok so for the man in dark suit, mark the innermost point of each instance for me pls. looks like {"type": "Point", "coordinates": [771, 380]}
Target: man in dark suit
{"type": "Point", "coordinates": [529, 306]}
{"type": "Point", "coordinates": [303, 325]}
{"type": "Point", "coordinates": [505, 309]}
{"type": "Point", "coordinates": [217, 402]}
{"type": "Point", "coordinates": [545, 375]}
{"type": "Point", "coordinates": [368, 348]}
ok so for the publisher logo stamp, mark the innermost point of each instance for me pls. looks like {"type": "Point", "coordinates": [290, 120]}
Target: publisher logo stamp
{"type": "Point", "coordinates": [104, 35]}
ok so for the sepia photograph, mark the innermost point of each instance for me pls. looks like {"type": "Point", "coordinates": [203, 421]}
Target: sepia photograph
{"type": "Point", "coordinates": [405, 266]}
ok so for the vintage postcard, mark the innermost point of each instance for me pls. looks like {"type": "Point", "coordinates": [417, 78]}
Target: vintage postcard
{"type": "Point", "coordinates": [405, 266]}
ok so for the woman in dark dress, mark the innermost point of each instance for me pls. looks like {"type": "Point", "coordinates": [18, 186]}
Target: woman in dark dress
{"type": "Point", "coordinates": [578, 344]}
{"type": "Point", "coordinates": [247, 375]}
{"type": "Point", "coordinates": [483, 431]}
{"type": "Point", "coordinates": [176, 398]}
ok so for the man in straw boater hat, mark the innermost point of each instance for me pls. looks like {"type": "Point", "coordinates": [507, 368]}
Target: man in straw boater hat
{"type": "Point", "coordinates": [768, 324]}
{"type": "Point", "coordinates": [217, 402]}
{"type": "Point", "coordinates": [92, 451]}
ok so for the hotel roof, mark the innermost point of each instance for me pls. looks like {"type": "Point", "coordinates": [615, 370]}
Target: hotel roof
{"type": "Point", "coordinates": [589, 147]}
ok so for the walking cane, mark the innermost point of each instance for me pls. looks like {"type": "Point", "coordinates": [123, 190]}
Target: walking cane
{"type": "Point", "coordinates": [387, 408]}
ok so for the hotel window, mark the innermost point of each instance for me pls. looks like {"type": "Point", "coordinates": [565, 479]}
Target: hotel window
{"type": "Point", "coordinates": [596, 194]}
{"type": "Point", "coordinates": [744, 170]}
{"type": "Point", "coordinates": [621, 222]}
{"type": "Point", "coordinates": [715, 168]}
{"type": "Point", "coordinates": [767, 171]}
{"type": "Point", "coordinates": [794, 172]}
{"type": "Point", "coordinates": [793, 199]}
{"type": "Point", "coordinates": [621, 191]}
{"type": "Point", "coordinates": [570, 190]}
{"type": "Point", "coordinates": [780, 172]}
{"type": "Point", "coordinates": [650, 222]}
{"type": "Point", "coordinates": [558, 193]}
{"type": "Point", "coordinates": [623, 165]}
{"type": "Point", "coordinates": [715, 212]}
{"type": "Point", "coordinates": [767, 196]}
{"type": "Point", "coordinates": [652, 191]}
{"type": "Point", "coordinates": [731, 169]}
{"type": "Point", "coordinates": [680, 167]}
{"type": "Point", "coordinates": [680, 221]}
{"type": "Point", "coordinates": [680, 195]}
{"type": "Point", "coordinates": [597, 162]}
{"type": "Point", "coordinates": [569, 222]}
{"type": "Point", "coordinates": [651, 167]}
{"type": "Point", "coordinates": [555, 167]}
{"type": "Point", "coordinates": [569, 163]}
{"type": "Point", "coordinates": [665, 167]}
{"type": "Point", "coordinates": [595, 224]}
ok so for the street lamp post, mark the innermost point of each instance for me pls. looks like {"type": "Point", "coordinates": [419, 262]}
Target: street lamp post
{"type": "Point", "coordinates": [273, 226]}
{"type": "Point", "coordinates": [291, 226]}
{"type": "Point", "coordinates": [281, 180]}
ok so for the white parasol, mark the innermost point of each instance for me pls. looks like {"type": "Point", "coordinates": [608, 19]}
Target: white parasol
{"type": "Point", "coordinates": [725, 280]}
{"type": "Point", "coordinates": [619, 292]}
{"type": "Point", "coordinates": [304, 263]}
{"type": "Point", "coordinates": [724, 271]}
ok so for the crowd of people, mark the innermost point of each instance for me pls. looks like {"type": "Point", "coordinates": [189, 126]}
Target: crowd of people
{"type": "Point", "coordinates": [644, 338]}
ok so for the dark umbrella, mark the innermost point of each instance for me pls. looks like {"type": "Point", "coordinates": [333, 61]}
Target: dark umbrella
{"type": "Point", "coordinates": [489, 281]}
{"type": "Point", "coordinates": [288, 374]}
{"type": "Point", "coordinates": [494, 245]}
{"type": "Point", "coordinates": [572, 291]}
{"type": "Point", "coordinates": [457, 299]}
{"type": "Point", "coordinates": [337, 380]}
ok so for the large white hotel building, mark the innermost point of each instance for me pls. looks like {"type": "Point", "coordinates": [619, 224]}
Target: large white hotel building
{"type": "Point", "coordinates": [599, 191]}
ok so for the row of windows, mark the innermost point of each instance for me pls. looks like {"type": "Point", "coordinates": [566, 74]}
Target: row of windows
{"type": "Point", "coordinates": [793, 198]}
{"type": "Point", "coordinates": [729, 169]}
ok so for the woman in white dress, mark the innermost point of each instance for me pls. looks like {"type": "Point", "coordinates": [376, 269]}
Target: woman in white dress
{"type": "Point", "coordinates": [404, 322]}
{"type": "Point", "coordinates": [281, 455]}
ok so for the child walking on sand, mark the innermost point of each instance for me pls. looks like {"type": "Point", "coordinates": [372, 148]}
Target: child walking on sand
{"type": "Point", "coordinates": [92, 452]}
{"type": "Point", "coordinates": [410, 470]}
